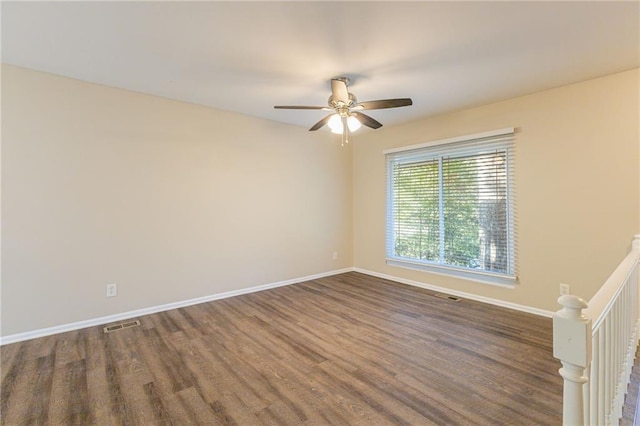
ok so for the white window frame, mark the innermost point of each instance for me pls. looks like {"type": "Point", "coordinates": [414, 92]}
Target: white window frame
{"type": "Point", "coordinates": [503, 138]}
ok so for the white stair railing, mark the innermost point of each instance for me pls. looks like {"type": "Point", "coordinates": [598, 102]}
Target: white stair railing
{"type": "Point", "coordinates": [595, 342]}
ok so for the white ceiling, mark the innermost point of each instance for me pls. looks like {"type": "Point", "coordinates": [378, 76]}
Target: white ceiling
{"type": "Point", "coordinates": [249, 56]}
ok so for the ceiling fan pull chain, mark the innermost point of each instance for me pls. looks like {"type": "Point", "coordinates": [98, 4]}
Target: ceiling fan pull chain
{"type": "Point", "coordinates": [345, 131]}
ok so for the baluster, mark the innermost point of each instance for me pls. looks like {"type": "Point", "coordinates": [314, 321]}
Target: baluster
{"type": "Point", "coordinates": [608, 366]}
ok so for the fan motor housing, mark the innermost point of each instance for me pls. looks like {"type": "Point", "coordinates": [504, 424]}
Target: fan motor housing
{"type": "Point", "coordinates": [337, 103]}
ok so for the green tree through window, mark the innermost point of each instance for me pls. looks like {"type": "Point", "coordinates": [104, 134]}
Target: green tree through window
{"type": "Point", "coordinates": [418, 213]}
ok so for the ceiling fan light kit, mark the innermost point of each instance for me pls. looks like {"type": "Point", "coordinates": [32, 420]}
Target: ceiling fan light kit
{"type": "Point", "coordinates": [345, 116]}
{"type": "Point", "coordinates": [335, 124]}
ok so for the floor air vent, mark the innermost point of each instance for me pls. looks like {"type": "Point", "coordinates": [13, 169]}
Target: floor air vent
{"type": "Point", "coordinates": [448, 297]}
{"type": "Point", "coordinates": [122, 325]}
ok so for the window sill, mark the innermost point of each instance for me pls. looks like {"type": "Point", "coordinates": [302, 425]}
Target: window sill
{"type": "Point", "coordinates": [501, 280]}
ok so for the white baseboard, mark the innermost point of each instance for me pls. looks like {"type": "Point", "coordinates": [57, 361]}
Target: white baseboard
{"type": "Point", "coordinates": [19, 337]}
{"type": "Point", "coordinates": [462, 294]}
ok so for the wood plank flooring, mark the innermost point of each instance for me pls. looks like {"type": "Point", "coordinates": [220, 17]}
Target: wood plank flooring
{"type": "Point", "coordinates": [343, 350]}
{"type": "Point", "coordinates": [630, 411]}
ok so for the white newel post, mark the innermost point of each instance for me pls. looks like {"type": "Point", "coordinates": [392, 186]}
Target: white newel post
{"type": "Point", "coordinates": [572, 346]}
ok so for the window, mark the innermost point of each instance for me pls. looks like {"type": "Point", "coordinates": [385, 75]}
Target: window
{"type": "Point", "coordinates": [450, 207]}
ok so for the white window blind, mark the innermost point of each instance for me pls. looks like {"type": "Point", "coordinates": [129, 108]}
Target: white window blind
{"type": "Point", "coordinates": [450, 207]}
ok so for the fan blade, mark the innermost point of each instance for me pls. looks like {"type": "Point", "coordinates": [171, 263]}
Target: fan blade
{"type": "Point", "coordinates": [320, 123]}
{"type": "Point", "coordinates": [301, 107]}
{"type": "Point", "coordinates": [366, 120]}
{"type": "Point", "coordinates": [386, 103]}
{"type": "Point", "coordinates": [339, 90]}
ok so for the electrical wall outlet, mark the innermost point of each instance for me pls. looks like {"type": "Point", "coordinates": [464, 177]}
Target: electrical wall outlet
{"type": "Point", "coordinates": [335, 255]}
{"type": "Point", "coordinates": [564, 289]}
{"type": "Point", "coordinates": [112, 290]}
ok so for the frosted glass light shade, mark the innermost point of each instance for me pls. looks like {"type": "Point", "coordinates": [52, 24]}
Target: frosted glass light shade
{"type": "Point", "coordinates": [335, 124]}
{"type": "Point", "coordinates": [353, 123]}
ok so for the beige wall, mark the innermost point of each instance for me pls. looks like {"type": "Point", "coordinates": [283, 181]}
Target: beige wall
{"type": "Point", "coordinates": [577, 185]}
{"type": "Point", "coordinates": [169, 200]}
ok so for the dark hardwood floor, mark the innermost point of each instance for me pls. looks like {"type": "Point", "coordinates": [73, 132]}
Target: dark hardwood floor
{"type": "Point", "coordinates": [348, 349]}
{"type": "Point", "coordinates": [630, 413]}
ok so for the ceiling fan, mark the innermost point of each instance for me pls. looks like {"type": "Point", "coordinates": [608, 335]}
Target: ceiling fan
{"type": "Point", "coordinates": [345, 116]}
